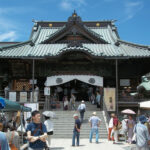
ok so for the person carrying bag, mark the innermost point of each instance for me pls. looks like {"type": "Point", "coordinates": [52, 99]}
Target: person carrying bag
{"type": "Point", "coordinates": [11, 145]}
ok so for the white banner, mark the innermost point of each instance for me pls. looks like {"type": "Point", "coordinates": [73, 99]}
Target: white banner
{"type": "Point", "coordinates": [46, 91]}
{"type": "Point", "coordinates": [57, 80]}
{"type": "Point", "coordinates": [33, 106]}
{"type": "Point", "coordinates": [23, 96]}
{"type": "Point", "coordinates": [12, 96]}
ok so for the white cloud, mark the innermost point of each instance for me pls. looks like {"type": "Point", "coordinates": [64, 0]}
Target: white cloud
{"type": "Point", "coordinates": [132, 8]}
{"type": "Point", "coordinates": [9, 36]}
{"type": "Point", "coordinates": [66, 5]}
{"type": "Point", "coordinates": [72, 4]}
{"type": "Point", "coordinates": [9, 24]}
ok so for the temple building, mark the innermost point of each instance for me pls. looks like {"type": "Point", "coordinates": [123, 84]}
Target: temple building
{"type": "Point", "coordinates": [76, 49]}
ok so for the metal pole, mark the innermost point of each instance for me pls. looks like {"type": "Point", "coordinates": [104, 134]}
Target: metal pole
{"type": "Point", "coordinates": [117, 86]}
{"type": "Point", "coordinates": [21, 119]}
{"type": "Point", "coordinates": [33, 63]}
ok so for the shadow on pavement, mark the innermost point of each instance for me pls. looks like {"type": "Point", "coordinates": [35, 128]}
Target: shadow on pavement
{"type": "Point", "coordinates": [81, 145]}
{"type": "Point", "coordinates": [56, 148]}
{"type": "Point", "coordinates": [129, 148]}
{"type": "Point", "coordinates": [118, 144]}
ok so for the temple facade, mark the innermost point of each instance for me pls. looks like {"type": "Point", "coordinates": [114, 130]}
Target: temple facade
{"type": "Point", "coordinates": [75, 47]}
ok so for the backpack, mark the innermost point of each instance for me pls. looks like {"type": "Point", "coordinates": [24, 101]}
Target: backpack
{"type": "Point", "coordinates": [11, 145]}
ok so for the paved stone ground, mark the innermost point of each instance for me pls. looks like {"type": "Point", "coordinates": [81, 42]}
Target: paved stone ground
{"type": "Point", "coordinates": [65, 144]}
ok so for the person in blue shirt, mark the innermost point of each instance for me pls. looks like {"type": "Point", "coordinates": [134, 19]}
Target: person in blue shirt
{"type": "Point", "coordinates": [36, 133]}
{"type": "Point", "coordinates": [3, 142]}
{"type": "Point", "coordinates": [76, 130]}
{"type": "Point", "coordinates": [94, 123]}
{"type": "Point", "coordinates": [142, 134]}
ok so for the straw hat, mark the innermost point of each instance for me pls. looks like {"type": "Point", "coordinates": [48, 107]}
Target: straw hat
{"type": "Point", "coordinates": [75, 115]}
{"type": "Point", "coordinates": [94, 113]}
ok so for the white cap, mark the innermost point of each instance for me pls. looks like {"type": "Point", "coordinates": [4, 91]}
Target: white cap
{"type": "Point", "coordinates": [75, 115]}
{"type": "Point", "coordinates": [94, 113]}
{"type": "Point", "coordinates": [82, 101]}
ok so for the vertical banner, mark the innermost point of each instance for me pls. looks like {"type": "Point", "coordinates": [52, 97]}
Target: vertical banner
{"type": "Point", "coordinates": [110, 98]}
{"type": "Point", "coordinates": [35, 97]}
{"type": "Point", "coordinates": [47, 91]}
{"type": "Point", "coordinates": [12, 96]}
{"type": "Point", "coordinates": [23, 96]}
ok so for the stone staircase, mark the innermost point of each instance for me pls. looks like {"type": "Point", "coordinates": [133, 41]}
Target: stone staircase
{"type": "Point", "coordinates": [64, 123]}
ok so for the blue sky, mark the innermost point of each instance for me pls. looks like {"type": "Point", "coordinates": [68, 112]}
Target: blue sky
{"type": "Point", "coordinates": [133, 16]}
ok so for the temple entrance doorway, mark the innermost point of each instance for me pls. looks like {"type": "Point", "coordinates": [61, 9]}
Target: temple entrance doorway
{"type": "Point", "coordinates": [82, 86]}
{"type": "Point", "coordinates": [81, 90]}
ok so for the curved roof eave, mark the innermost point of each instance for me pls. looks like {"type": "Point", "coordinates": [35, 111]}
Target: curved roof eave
{"type": "Point", "coordinates": [15, 45]}
{"type": "Point", "coordinates": [134, 44]}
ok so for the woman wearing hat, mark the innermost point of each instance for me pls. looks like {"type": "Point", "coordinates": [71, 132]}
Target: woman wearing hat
{"type": "Point", "coordinates": [130, 125]}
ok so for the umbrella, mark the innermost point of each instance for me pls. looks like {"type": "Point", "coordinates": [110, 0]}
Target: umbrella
{"type": "Point", "coordinates": [25, 109]}
{"type": "Point", "coordinates": [49, 114]}
{"type": "Point", "coordinates": [128, 111]}
{"type": "Point", "coordinates": [145, 104]}
{"type": "Point", "coordinates": [8, 105]}
{"type": "Point", "coordinates": [2, 103]}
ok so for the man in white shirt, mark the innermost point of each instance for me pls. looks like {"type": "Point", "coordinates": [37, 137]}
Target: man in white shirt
{"type": "Point", "coordinates": [50, 127]}
{"type": "Point", "coordinates": [81, 109]}
{"type": "Point", "coordinates": [95, 123]}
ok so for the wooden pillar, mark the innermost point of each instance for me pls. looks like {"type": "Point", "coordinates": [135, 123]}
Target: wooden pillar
{"type": "Point", "coordinates": [116, 62]}
{"type": "Point", "coordinates": [33, 70]}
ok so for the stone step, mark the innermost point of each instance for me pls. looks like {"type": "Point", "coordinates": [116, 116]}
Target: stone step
{"type": "Point", "coordinates": [64, 122]}
{"type": "Point", "coordinates": [103, 136]}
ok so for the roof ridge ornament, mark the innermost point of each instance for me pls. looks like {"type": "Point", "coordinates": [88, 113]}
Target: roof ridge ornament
{"type": "Point", "coordinates": [74, 18]}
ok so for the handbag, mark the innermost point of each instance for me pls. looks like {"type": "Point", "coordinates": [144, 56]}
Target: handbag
{"type": "Point", "coordinates": [134, 137]}
{"type": "Point", "coordinates": [11, 145]}
{"type": "Point", "coordinates": [50, 133]}
{"type": "Point", "coordinates": [21, 130]}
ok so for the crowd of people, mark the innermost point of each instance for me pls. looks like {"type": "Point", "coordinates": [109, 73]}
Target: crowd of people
{"type": "Point", "coordinates": [134, 130]}
{"type": "Point", "coordinates": [38, 134]}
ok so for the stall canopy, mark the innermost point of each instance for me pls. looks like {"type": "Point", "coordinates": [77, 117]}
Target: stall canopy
{"type": "Point", "coordinates": [8, 105]}
{"type": "Point", "coordinates": [145, 105]}
{"type": "Point", "coordinates": [57, 80]}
